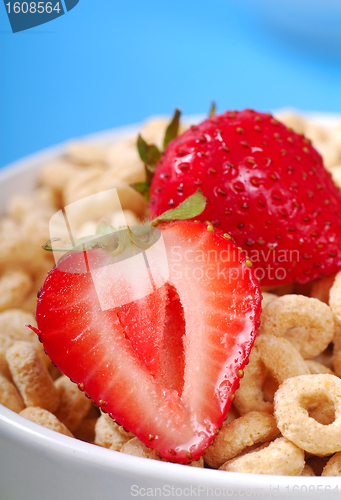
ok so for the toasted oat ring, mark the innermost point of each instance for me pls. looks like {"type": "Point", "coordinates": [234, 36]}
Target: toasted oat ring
{"type": "Point", "coordinates": [280, 458]}
{"type": "Point", "coordinates": [333, 466]}
{"type": "Point", "coordinates": [293, 400]}
{"type": "Point", "coordinates": [249, 396]}
{"type": "Point", "coordinates": [307, 322]}
{"type": "Point", "coordinates": [253, 428]}
{"type": "Point", "coordinates": [335, 296]}
{"type": "Point", "coordinates": [281, 358]}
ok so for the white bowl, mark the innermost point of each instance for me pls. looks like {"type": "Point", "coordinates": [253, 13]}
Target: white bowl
{"type": "Point", "coordinates": [39, 464]}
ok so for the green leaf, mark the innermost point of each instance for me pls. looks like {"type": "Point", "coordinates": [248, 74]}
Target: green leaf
{"type": "Point", "coordinates": [49, 248]}
{"type": "Point", "coordinates": [149, 153]}
{"type": "Point", "coordinates": [173, 128]}
{"type": "Point", "coordinates": [212, 109]}
{"type": "Point", "coordinates": [142, 188]}
{"type": "Point", "coordinates": [191, 207]}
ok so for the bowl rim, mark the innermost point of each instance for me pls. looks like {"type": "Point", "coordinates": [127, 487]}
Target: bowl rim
{"type": "Point", "coordinates": [16, 427]}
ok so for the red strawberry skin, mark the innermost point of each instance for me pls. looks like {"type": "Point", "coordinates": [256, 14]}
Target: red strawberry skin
{"type": "Point", "coordinates": [170, 381]}
{"type": "Point", "coordinates": [265, 185]}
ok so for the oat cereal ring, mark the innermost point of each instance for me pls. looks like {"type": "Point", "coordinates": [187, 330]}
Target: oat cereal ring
{"type": "Point", "coordinates": [337, 363]}
{"type": "Point", "coordinates": [315, 367]}
{"type": "Point", "coordinates": [280, 458]}
{"type": "Point", "coordinates": [268, 297]}
{"type": "Point", "coordinates": [293, 400]}
{"type": "Point", "coordinates": [108, 435]}
{"type": "Point", "coordinates": [335, 296]}
{"type": "Point", "coordinates": [12, 328]}
{"type": "Point", "coordinates": [138, 449]}
{"type": "Point", "coordinates": [85, 153]}
{"type": "Point", "coordinates": [321, 288]}
{"type": "Point", "coordinates": [306, 322]}
{"type": "Point", "coordinates": [197, 463]}
{"type": "Point", "coordinates": [73, 406]}
{"type": "Point", "coordinates": [9, 396]}
{"type": "Point", "coordinates": [14, 287]}
{"type": "Point", "coordinates": [333, 466]}
{"type": "Point", "coordinates": [281, 358]}
{"type": "Point", "coordinates": [19, 251]}
{"type": "Point", "coordinates": [249, 396]}
{"type": "Point", "coordinates": [307, 471]}
{"type": "Point", "coordinates": [31, 376]}
{"type": "Point", "coordinates": [247, 430]}
{"type": "Point", "coordinates": [46, 419]}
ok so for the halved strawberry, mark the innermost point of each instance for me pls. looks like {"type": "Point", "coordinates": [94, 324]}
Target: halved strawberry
{"type": "Point", "coordinates": [166, 365]}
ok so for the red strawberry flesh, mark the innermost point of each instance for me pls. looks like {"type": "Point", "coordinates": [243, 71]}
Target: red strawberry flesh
{"type": "Point", "coordinates": [170, 386]}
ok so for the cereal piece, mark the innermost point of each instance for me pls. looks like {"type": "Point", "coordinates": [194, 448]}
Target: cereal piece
{"type": "Point", "coordinates": [335, 297]}
{"type": "Point", "coordinates": [326, 357]}
{"type": "Point", "coordinates": [99, 202]}
{"type": "Point", "coordinates": [73, 406]}
{"type": "Point", "coordinates": [19, 251]}
{"type": "Point", "coordinates": [333, 466]}
{"type": "Point", "coordinates": [329, 154]}
{"type": "Point", "coordinates": [82, 184]}
{"type": "Point", "coordinates": [252, 428]}
{"type": "Point", "coordinates": [129, 218]}
{"type": "Point", "coordinates": [30, 303]}
{"type": "Point", "coordinates": [85, 153]}
{"type": "Point", "coordinates": [35, 225]}
{"type": "Point", "coordinates": [249, 396]}
{"type": "Point", "coordinates": [336, 175]}
{"type": "Point", "coordinates": [86, 430]}
{"type": "Point", "coordinates": [337, 335]}
{"type": "Point", "coordinates": [14, 286]}
{"type": "Point", "coordinates": [125, 163]}
{"type": "Point", "coordinates": [153, 130]}
{"type": "Point", "coordinates": [20, 205]}
{"type": "Point", "coordinates": [86, 229]}
{"type": "Point", "coordinates": [12, 328]}
{"type": "Point", "coordinates": [315, 367]}
{"type": "Point", "coordinates": [293, 120]}
{"type": "Point", "coordinates": [293, 401]}
{"type": "Point", "coordinates": [9, 396]}
{"type": "Point", "coordinates": [197, 463]}
{"type": "Point", "coordinates": [8, 226]}
{"type": "Point", "coordinates": [307, 471]}
{"type": "Point", "coordinates": [57, 173]}
{"type": "Point", "coordinates": [31, 376]}
{"type": "Point", "coordinates": [268, 297]}
{"type": "Point", "coordinates": [281, 357]}
{"type": "Point", "coordinates": [46, 419]}
{"type": "Point", "coordinates": [337, 363]}
{"type": "Point", "coordinates": [321, 288]}
{"type": "Point", "coordinates": [306, 322]}
{"type": "Point", "coordinates": [108, 434]}
{"type": "Point", "coordinates": [138, 449]}
{"type": "Point", "coordinates": [280, 458]}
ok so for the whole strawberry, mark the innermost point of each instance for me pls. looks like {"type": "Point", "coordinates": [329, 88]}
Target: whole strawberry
{"type": "Point", "coordinates": [265, 185]}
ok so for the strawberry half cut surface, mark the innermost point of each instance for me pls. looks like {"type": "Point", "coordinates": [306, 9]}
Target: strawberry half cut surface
{"type": "Point", "coordinates": [164, 365]}
{"type": "Point", "coordinates": [265, 185]}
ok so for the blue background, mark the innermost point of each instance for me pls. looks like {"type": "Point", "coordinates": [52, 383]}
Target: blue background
{"type": "Point", "coordinates": [108, 63]}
